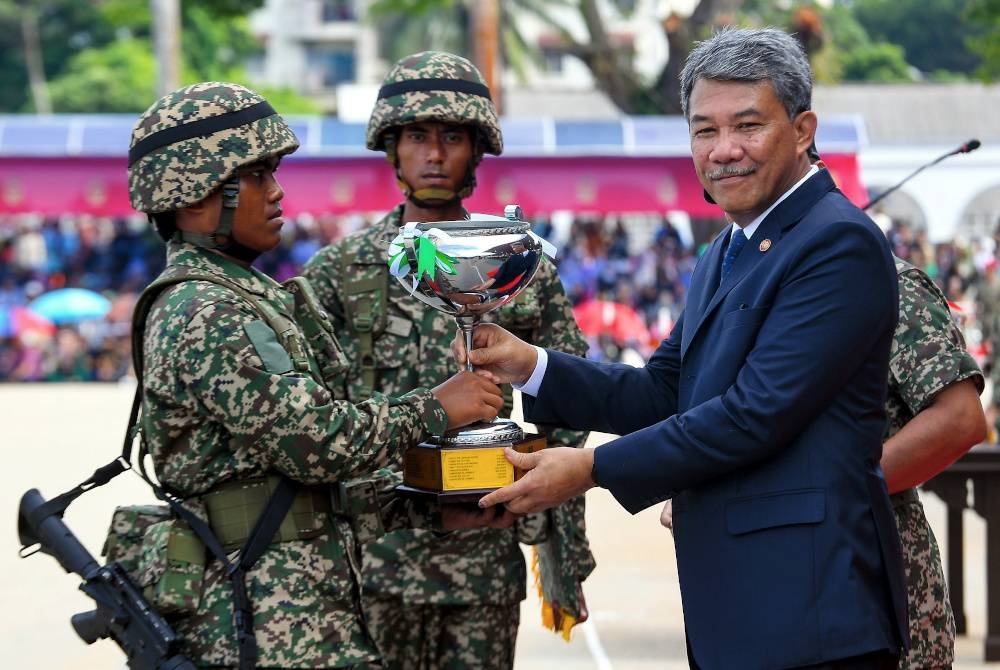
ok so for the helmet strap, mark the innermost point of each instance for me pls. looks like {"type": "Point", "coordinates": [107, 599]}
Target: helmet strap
{"type": "Point", "coordinates": [431, 198]}
{"type": "Point", "coordinates": [230, 201]}
{"type": "Point", "coordinates": [230, 247]}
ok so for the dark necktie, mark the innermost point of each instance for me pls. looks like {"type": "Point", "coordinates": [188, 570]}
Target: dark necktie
{"type": "Point", "coordinates": [736, 244]}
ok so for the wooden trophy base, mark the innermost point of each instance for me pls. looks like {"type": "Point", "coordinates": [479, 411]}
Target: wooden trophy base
{"type": "Point", "coordinates": [456, 473]}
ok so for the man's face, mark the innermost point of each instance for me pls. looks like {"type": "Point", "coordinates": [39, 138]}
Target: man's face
{"type": "Point", "coordinates": [746, 150]}
{"type": "Point", "coordinates": [434, 155]}
{"type": "Point", "coordinates": [257, 222]}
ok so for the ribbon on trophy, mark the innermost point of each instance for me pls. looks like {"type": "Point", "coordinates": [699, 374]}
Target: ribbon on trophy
{"type": "Point", "coordinates": [417, 253]}
{"type": "Point", "coordinates": [424, 247]}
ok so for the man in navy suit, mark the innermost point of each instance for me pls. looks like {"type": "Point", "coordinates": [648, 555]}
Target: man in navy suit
{"type": "Point", "coordinates": [761, 415]}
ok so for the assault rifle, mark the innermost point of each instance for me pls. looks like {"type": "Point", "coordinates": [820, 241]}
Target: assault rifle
{"type": "Point", "coordinates": [122, 613]}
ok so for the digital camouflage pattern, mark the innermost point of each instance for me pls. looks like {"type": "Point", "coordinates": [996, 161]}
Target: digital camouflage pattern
{"type": "Point", "coordinates": [128, 526]}
{"type": "Point", "coordinates": [171, 567]}
{"type": "Point", "coordinates": [221, 402]}
{"type": "Point", "coordinates": [470, 568]}
{"type": "Point", "coordinates": [434, 105]}
{"type": "Point", "coordinates": [480, 640]}
{"type": "Point", "coordinates": [185, 172]}
{"type": "Point", "coordinates": [928, 353]}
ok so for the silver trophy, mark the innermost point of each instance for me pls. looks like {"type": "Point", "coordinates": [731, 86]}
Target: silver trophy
{"type": "Point", "coordinates": [467, 268]}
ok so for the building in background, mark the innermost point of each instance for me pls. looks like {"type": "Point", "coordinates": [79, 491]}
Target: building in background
{"type": "Point", "coordinates": [316, 46]}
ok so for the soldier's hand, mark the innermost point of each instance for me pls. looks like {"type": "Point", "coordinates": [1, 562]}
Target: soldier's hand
{"type": "Point", "coordinates": [468, 515]}
{"type": "Point", "coordinates": [467, 398]}
{"type": "Point", "coordinates": [497, 355]}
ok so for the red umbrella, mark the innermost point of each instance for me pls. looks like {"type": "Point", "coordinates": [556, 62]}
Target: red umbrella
{"type": "Point", "coordinates": [603, 317]}
{"type": "Point", "coordinates": [17, 321]}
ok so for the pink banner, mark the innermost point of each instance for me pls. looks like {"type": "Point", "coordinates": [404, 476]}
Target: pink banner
{"type": "Point", "coordinates": [594, 184]}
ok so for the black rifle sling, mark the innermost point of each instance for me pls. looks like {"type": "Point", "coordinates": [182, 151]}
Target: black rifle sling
{"type": "Point", "coordinates": [101, 476]}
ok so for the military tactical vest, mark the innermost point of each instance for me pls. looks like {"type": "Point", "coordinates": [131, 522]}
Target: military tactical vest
{"type": "Point", "coordinates": [368, 315]}
{"type": "Point", "coordinates": [256, 511]}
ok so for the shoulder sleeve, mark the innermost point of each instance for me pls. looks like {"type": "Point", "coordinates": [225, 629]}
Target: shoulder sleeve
{"type": "Point", "coordinates": [928, 350]}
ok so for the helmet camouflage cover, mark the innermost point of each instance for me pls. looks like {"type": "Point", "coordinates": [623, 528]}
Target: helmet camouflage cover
{"type": "Point", "coordinates": [189, 142]}
{"type": "Point", "coordinates": [434, 86]}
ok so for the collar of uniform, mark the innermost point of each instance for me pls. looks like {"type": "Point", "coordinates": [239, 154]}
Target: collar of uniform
{"type": "Point", "coordinates": [183, 254]}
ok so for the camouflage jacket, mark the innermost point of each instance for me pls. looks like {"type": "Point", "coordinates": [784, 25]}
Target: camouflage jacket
{"type": "Point", "coordinates": [928, 353]}
{"type": "Point", "coordinates": [222, 402]}
{"type": "Point", "coordinates": [928, 350]}
{"type": "Point", "coordinates": [412, 348]}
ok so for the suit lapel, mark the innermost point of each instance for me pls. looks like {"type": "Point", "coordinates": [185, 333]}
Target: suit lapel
{"type": "Point", "coordinates": [781, 219]}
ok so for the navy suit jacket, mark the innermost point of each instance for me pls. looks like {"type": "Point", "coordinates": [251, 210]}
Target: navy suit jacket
{"type": "Point", "coordinates": [762, 417]}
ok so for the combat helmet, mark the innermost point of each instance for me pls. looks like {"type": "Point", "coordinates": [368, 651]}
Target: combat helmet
{"type": "Point", "coordinates": [434, 86]}
{"type": "Point", "coordinates": [192, 141]}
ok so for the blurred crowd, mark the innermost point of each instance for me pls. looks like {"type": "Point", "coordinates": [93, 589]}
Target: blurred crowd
{"type": "Point", "coordinates": [626, 276]}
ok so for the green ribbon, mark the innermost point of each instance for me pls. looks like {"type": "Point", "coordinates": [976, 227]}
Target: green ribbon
{"type": "Point", "coordinates": [429, 259]}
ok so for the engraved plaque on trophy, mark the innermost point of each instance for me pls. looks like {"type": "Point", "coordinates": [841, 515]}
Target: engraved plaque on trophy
{"type": "Point", "coordinates": [467, 268]}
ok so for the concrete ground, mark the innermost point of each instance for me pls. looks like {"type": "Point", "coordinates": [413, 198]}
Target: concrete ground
{"type": "Point", "coordinates": [56, 435]}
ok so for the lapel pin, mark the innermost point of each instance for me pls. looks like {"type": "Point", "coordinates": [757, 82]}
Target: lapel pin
{"type": "Point", "coordinates": [765, 245]}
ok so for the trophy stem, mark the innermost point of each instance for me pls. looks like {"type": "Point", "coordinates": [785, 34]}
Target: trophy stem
{"type": "Point", "coordinates": [467, 323]}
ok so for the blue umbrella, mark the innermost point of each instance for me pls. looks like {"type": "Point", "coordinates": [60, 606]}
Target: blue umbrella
{"type": "Point", "coordinates": [71, 305]}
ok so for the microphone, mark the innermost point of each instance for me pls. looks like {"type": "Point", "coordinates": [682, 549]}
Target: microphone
{"type": "Point", "coordinates": [971, 145]}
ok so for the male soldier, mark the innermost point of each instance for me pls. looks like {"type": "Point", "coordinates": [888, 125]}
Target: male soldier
{"type": "Point", "coordinates": [453, 602]}
{"type": "Point", "coordinates": [935, 416]}
{"type": "Point", "coordinates": [230, 406]}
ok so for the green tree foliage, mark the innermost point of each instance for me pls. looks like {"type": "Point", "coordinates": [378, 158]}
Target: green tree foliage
{"type": "Point", "coordinates": [408, 26]}
{"type": "Point", "coordinates": [66, 27]}
{"type": "Point", "coordinates": [839, 47]}
{"type": "Point", "coordinates": [986, 14]}
{"type": "Point", "coordinates": [415, 25]}
{"type": "Point", "coordinates": [933, 34]}
{"type": "Point", "coordinates": [119, 77]}
{"type": "Point", "coordinates": [878, 62]}
{"type": "Point", "coordinates": [98, 54]}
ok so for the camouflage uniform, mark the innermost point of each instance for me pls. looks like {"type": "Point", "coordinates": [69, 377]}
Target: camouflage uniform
{"type": "Point", "coordinates": [223, 402]}
{"type": "Point", "coordinates": [451, 602]}
{"type": "Point", "coordinates": [928, 354]}
{"type": "Point", "coordinates": [469, 583]}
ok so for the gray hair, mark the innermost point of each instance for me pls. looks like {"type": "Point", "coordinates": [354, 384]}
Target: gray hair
{"type": "Point", "coordinates": [750, 55]}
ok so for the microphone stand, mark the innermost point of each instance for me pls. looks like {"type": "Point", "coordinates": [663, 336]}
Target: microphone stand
{"type": "Point", "coordinates": [971, 145]}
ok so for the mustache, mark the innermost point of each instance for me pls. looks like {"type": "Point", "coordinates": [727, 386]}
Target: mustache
{"type": "Point", "coordinates": [730, 171]}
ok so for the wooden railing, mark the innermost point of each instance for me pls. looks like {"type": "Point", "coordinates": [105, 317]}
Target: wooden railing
{"type": "Point", "coordinates": [981, 467]}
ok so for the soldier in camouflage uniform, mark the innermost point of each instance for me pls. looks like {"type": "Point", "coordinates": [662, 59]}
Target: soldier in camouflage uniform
{"type": "Point", "coordinates": [935, 416]}
{"type": "Point", "coordinates": [229, 404]}
{"type": "Point", "coordinates": [454, 602]}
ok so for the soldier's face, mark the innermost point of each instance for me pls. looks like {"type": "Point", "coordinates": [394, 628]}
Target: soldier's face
{"type": "Point", "coordinates": [257, 223]}
{"type": "Point", "coordinates": [434, 155]}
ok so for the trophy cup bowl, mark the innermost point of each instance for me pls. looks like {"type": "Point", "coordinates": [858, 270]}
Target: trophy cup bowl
{"type": "Point", "coordinates": [466, 268]}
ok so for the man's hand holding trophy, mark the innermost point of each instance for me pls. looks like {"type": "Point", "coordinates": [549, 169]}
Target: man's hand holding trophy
{"type": "Point", "coordinates": [467, 268]}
